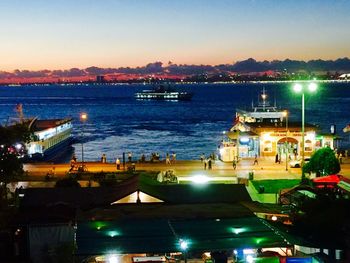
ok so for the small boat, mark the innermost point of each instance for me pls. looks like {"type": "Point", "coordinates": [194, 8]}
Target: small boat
{"type": "Point", "coordinates": [163, 92]}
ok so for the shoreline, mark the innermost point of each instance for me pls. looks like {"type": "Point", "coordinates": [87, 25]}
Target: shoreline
{"type": "Point", "coordinates": [173, 82]}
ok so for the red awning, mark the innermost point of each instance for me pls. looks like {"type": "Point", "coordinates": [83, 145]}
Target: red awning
{"type": "Point", "coordinates": [334, 178]}
{"type": "Point", "coordinates": [288, 139]}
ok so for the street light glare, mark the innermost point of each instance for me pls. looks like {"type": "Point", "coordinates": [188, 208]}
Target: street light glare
{"type": "Point", "coordinates": [297, 87]}
{"type": "Point", "coordinates": [83, 116]}
{"type": "Point", "coordinates": [312, 87]}
{"type": "Point", "coordinates": [183, 244]}
{"type": "Point", "coordinates": [113, 259]}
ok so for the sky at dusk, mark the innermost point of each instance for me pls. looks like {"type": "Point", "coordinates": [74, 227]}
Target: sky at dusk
{"type": "Point", "coordinates": [63, 34]}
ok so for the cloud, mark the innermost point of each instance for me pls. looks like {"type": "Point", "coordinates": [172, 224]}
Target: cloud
{"type": "Point", "coordinates": [171, 69]}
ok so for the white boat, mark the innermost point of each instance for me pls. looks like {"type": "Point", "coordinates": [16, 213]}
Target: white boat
{"type": "Point", "coordinates": [263, 112]}
{"type": "Point", "coordinates": [163, 92]}
{"type": "Point", "coordinates": [49, 137]}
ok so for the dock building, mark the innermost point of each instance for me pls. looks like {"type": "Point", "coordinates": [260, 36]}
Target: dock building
{"type": "Point", "coordinates": [265, 131]}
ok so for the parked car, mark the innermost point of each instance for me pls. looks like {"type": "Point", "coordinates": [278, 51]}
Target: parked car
{"type": "Point", "coordinates": [297, 163]}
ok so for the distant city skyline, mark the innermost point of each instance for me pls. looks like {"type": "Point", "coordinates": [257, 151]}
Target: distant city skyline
{"type": "Point", "coordinates": [53, 35]}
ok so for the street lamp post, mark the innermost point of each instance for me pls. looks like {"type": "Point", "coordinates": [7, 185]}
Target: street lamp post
{"type": "Point", "coordinates": [299, 88]}
{"type": "Point", "coordinates": [286, 142]}
{"type": "Point", "coordinates": [184, 247]}
{"type": "Point", "coordinates": [83, 118]}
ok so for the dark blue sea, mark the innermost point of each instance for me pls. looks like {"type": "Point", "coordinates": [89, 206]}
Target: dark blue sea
{"type": "Point", "coordinates": [118, 123]}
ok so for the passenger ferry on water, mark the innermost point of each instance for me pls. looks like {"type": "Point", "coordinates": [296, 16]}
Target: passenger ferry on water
{"type": "Point", "coordinates": [163, 92]}
{"type": "Point", "coordinates": [48, 137]}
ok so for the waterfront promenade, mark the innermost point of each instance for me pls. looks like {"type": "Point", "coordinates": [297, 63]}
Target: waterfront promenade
{"type": "Point", "coordinates": [266, 169]}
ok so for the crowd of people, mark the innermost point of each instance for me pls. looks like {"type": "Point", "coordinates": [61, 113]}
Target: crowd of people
{"type": "Point", "coordinates": [154, 157]}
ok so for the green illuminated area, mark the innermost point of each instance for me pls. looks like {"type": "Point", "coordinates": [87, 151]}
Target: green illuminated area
{"type": "Point", "coordinates": [274, 186]}
{"type": "Point", "coordinates": [238, 230]}
{"type": "Point", "coordinates": [104, 228]}
{"type": "Point", "coordinates": [98, 225]}
{"type": "Point", "coordinates": [129, 236]}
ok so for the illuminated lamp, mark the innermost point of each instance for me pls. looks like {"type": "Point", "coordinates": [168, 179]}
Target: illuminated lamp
{"type": "Point", "coordinates": [297, 87]}
{"type": "Point", "coordinates": [244, 140]}
{"type": "Point", "coordinates": [112, 259]}
{"type": "Point", "coordinates": [183, 244]}
{"type": "Point", "coordinates": [238, 230]}
{"type": "Point", "coordinates": [18, 146]}
{"type": "Point", "coordinates": [312, 87]}
{"type": "Point", "coordinates": [200, 179]}
{"type": "Point", "coordinates": [249, 259]}
{"type": "Point", "coordinates": [267, 137]}
{"type": "Point", "coordinates": [112, 233]}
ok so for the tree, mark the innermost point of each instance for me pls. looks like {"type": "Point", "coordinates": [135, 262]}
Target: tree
{"type": "Point", "coordinates": [10, 164]}
{"type": "Point", "coordinates": [324, 220]}
{"type": "Point", "coordinates": [323, 162]}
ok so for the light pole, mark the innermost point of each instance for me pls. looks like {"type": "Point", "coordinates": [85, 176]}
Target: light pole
{"type": "Point", "coordinates": [184, 247]}
{"type": "Point", "coordinates": [285, 113]}
{"type": "Point", "coordinates": [312, 87]}
{"type": "Point", "coordinates": [83, 118]}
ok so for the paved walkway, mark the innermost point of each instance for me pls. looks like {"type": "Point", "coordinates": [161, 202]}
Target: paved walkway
{"type": "Point", "coordinates": [266, 169]}
{"type": "Point", "coordinates": [263, 170]}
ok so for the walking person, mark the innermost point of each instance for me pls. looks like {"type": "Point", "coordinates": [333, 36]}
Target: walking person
{"type": "Point", "coordinates": [256, 160]}
{"type": "Point", "coordinates": [213, 157]}
{"type": "Point", "coordinates": [72, 163]}
{"type": "Point", "coordinates": [167, 159]}
{"type": "Point", "coordinates": [103, 158]}
{"type": "Point", "coordinates": [209, 164]}
{"type": "Point", "coordinates": [205, 164]}
{"type": "Point", "coordinates": [234, 165]}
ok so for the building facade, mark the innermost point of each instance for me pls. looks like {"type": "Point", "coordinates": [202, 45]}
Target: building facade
{"type": "Point", "coordinates": [270, 139]}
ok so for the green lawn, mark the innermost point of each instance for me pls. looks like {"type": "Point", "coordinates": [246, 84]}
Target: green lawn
{"type": "Point", "coordinates": [274, 186]}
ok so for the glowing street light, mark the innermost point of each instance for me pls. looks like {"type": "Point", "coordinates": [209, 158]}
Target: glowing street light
{"type": "Point", "coordinates": [83, 119]}
{"type": "Point", "coordinates": [285, 114]}
{"type": "Point", "coordinates": [112, 259]}
{"type": "Point", "coordinates": [184, 247]}
{"type": "Point", "coordinates": [312, 87]}
{"type": "Point", "coordinates": [83, 116]}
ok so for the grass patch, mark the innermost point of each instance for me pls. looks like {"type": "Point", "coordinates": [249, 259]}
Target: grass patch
{"type": "Point", "coordinates": [274, 186]}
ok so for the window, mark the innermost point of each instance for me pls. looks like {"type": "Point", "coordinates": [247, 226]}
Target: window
{"type": "Point", "coordinates": [267, 146]}
{"type": "Point", "coordinates": [308, 146]}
